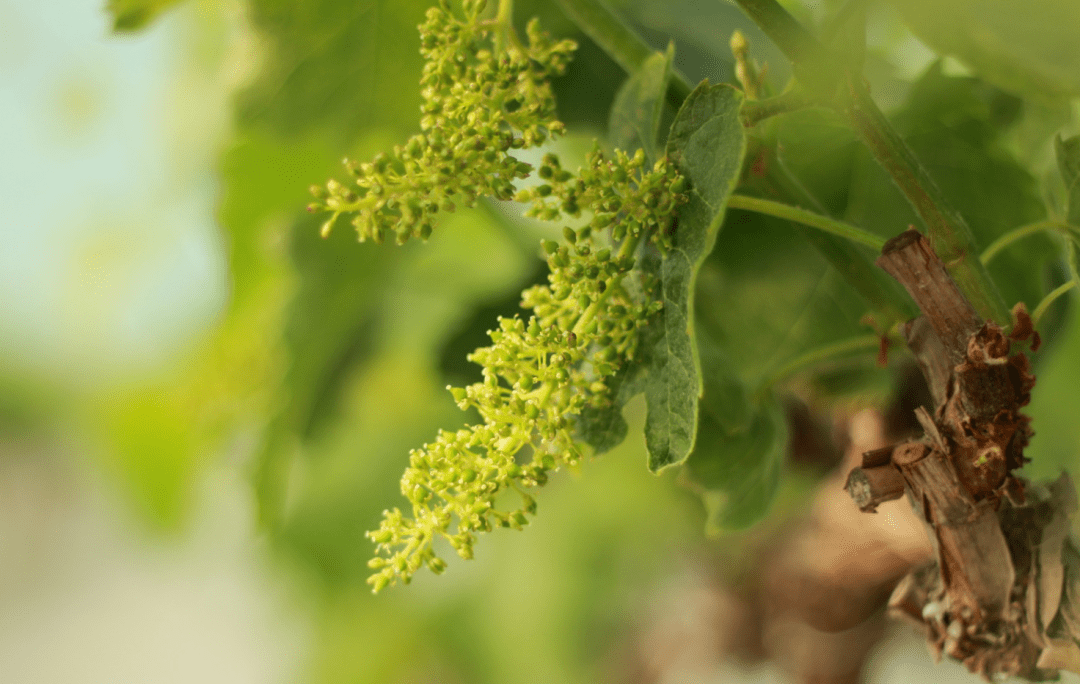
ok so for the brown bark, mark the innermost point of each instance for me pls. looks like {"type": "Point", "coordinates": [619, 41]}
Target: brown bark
{"type": "Point", "coordinates": [985, 599]}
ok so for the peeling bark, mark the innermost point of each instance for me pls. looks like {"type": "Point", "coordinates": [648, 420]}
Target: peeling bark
{"type": "Point", "coordinates": [992, 596]}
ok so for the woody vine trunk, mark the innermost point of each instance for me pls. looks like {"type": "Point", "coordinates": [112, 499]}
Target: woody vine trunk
{"type": "Point", "coordinates": [991, 596]}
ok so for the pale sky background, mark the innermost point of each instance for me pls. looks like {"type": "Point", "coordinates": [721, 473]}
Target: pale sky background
{"type": "Point", "coordinates": [110, 258]}
{"type": "Point", "coordinates": [110, 263]}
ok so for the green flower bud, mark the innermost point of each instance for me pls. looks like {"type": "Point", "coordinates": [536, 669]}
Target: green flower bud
{"type": "Point", "coordinates": [437, 565]}
{"type": "Point", "coordinates": [378, 582]}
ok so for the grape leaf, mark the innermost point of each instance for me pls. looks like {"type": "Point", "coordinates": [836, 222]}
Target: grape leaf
{"type": "Point", "coordinates": [957, 127]}
{"type": "Point", "coordinates": [604, 428]}
{"type": "Point", "coordinates": [707, 143]}
{"type": "Point", "coordinates": [339, 66]}
{"type": "Point", "coordinates": [767, 296]}
{"type": "Point", "coordinates": [1068, 159]}
{"type": "Point", "coordinates": [736, 473]}
{"type": "Point", "coordinates": [1058, 443]}
{"type": "Point", "coordinates": [133, 15]}
{"type": "Point", "coordinates": [635, 116]}
{"type": "Point", "coordinates": [1027, 47]}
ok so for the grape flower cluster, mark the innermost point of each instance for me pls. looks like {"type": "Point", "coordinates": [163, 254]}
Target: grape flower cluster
{"type": "Point", "coordinates": [484, 94]}
{"type": "Point", "coordinates": [539, 375]}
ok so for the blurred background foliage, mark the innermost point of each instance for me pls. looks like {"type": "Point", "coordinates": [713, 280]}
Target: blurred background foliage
{"type": "Point", "coordinates": [180, 318]}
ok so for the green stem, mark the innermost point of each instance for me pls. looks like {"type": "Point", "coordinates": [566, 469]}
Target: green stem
{"type": "Point", "coordinates": [807, 218]}
{"type": "Point", "coordinates": [1017, 234]}
{"type": "Point", "coordinates": [949, 234]}
{"type": "Point", "coordinates": [1048, 300]}
{"type": "Point", "coordinates": [754, 112]}
{"type": "Point", "coordinates": [505, 12]}
{"type": "Point", "coordinates": [620, 42]}
{"type": "Point", "coordinates": [816, 356]}
{"type": "Point", "coordinates": [794, 41]}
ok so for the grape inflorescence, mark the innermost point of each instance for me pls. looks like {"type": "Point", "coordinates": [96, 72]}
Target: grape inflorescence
{"type": "Point", "coordinates": [485, 94]}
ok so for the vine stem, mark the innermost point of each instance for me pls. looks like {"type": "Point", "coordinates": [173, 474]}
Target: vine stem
{"type": "Point", "coordinates": [949, 234]}
{"type": "Point", "coordinates": [1050, 299]}
{"type": "Point", "coordinates": [1017, 234]}
{"type": "Point", "coordinates": [620, 42]}
{"type": "Point", "coordinates": [807, 218]}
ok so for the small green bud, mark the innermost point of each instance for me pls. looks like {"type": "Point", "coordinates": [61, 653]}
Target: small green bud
{"type": "Point", "coordinates": [550, 246]}
{"type": "Point", "coordinates": [378, 582]}
{"type": "Point", "coordinates": [458, 393]}
{"type": "Point", "coordinates": [601, 221]}
{"type": "Point", "coordinates": [569, 234]}
{"type": "Point", "coordinates": [437, 565]}
{"type": "Point", "coordinates": [381, 536]}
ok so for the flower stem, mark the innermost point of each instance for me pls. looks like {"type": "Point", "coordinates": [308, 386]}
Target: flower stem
{"type": "Point", "coordinates": [1016, 234]}
{"type": "Point", "coordinates": [807, 218]}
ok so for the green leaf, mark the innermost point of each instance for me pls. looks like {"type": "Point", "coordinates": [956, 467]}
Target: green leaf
{"type": "Point", "coordinates": [133, 15]}
{"type": "Point", "coordinates": [958, 128]}
{"type": "Point", "coordinates": [736, 473]}
{"type": "Point", "coordinates": [767, 297]}
{"type": "Point", "coordinates": [1027, 47]}
{"type": "Point", "coordinates": [635, 116]}
{"type": "Point", "coordinates": [707, 143]}
{"type": "Point", "coordinates": [339, 66]}
{"type": "Point", "coordinates": [1056, 444]}
{"type": "Point", "coordinates": [605, 428]}
{"type": "Point", "coordinates": [1068, 159]}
